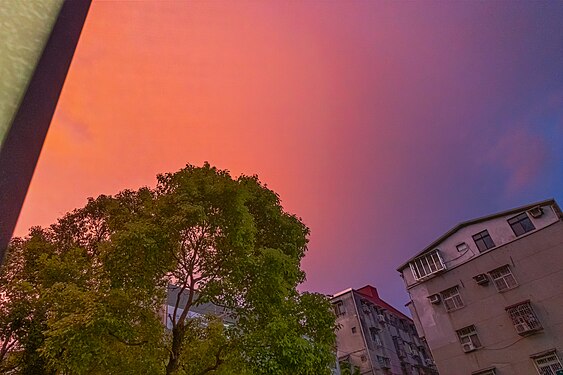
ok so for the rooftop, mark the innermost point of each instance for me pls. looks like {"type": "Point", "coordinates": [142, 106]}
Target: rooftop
{"type": "Point", "coordinates": [436, 242]}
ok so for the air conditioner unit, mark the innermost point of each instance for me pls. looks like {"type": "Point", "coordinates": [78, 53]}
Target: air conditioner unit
{"type": "Point", "coordinates": [536, 211]}
{"type": "Point", "coordinates": [522, 328]}
{"type": "Point", "coordinates": [468, 347]}
{"type": "Point", "coordinates": [481, 279]}
{"type": "Point", "coordinates": [435, 299]}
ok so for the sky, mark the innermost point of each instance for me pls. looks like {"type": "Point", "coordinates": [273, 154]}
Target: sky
{"type": "Point", "coordinates": [381, 124]}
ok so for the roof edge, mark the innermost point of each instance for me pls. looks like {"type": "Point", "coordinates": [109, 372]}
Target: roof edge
{"type": "Point", "coordinates": [432, 245]}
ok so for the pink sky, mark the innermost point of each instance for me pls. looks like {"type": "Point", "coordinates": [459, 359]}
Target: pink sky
{"type": "Point", "coordinates": [381, 124]}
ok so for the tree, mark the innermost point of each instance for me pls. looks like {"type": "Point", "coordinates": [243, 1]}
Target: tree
{"type": "Point", "coordinates": [93, 284]}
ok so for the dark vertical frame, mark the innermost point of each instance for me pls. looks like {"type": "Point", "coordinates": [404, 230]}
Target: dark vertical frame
{"type": "Point", "coordinates": [24, 140]}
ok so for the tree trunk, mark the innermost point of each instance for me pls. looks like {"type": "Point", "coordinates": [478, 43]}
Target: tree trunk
{"type": "Point", "coordinates": [177, 338]}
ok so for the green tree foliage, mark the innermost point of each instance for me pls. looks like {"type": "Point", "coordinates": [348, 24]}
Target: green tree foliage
{"type": "Point", "coordinates": [85, 296]}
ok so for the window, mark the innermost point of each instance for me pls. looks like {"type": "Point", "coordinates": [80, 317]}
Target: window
{"type": "Point", "coordinates": [365, 306]}
{"type": "Point", "coordinates": [503, 278]}
{"type": "Point", "coordinates": [462, 247]}
{"type": "Point", "coordinates": [383, 362]}
{"type": "Point", "coordinates": [521, 224]}
{"type": "Point", "coordinates": [468, 338]}
{"type": "Point", "coordinates": [548, 364]}
{"type": "Point", "coordinates": [339, 308]}
{"type": "Point", "coordinates": [427, 264]}
{"type": "Point", "coordinates": [523, 317]}
{"type": "Point", "coordinates": [374, 333]}
{"type": "Point", "coordinates": [483, 241]}
{"type": "Point", "coordinates": [452, 299]}
{"type": "Point", "coordinates": [488, 371]}
{"type": "Point", "coordinates": [353, 329]}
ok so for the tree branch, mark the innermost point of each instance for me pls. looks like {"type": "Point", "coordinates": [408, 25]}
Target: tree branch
{"type": "Point", "coordinates": [128, 343]}
{"type": "Point", "coordinates": [218, 362]}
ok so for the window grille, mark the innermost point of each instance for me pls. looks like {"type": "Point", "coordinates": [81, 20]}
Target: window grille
{"type": "Point", "coordinates": [427, 264]}
{"type": "Point", "coordinates": [468, 338]}
{"type": "Point", "coordinates": [521, 224]}
{"type": "Point", "coordinates": [452, 299]}
{"type": "Point", "coordinates": [503, 278]}
{"type": "Point", "coordinates": [548, 364]}
{"type": "Point", "coordinates": [523, 317]}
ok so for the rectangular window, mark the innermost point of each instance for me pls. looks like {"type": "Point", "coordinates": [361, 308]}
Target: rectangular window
{"type": "Point", "coordinates": [548, 364]}
{"type": "Point", "coordinates": [490, 371]}
{"type": "Point", "coordinates": [468, 338]}
{"type": "Point", "coordinates": [384, 362]}
{"type": "Point", "coordinates": [452, 299]}
{"type": "Point", "coordinates": [339, 308]}
{"type": "Point", "coordinates": [374, 333]}
{"type": "Point", "coordinates": [524, 318]}
{"type": "Point", "coordinates": [503, 278]}
{"type": "Point", "coordinates": [483, 241]}
{"type": "Point", "coordinates": [427, 264]}
{"type": "Point", "coordinates": [521, 224]}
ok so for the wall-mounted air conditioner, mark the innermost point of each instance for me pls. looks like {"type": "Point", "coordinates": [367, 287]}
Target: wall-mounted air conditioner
{"type": "Point", "coordinates": [481, 279]}
{"type": "Point", "coordinates": [536, 212]}
{"type": "Point", "coordinates": [522, 328]}
{"type": "Point", "coordinates": [468, 347]}
{"type": "Point", "coordinates": [434, 299]}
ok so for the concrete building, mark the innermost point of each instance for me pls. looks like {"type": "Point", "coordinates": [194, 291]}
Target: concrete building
{"type": "Point", "coordinates": [198, 311]}
{"type": "Point", "coordinates": [488, 294]}
{"type": "Point", "coordinates": [376, 338]}
{"type": "Point", "coordinates": [201, 311]}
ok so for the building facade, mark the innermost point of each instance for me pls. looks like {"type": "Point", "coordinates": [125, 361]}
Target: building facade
{"type": "Point", "coordinates": [488, 295]}
{"type": "Point", "coordinates": [375, 338]}
{"type": "Point", "coordinates": [197, 311]}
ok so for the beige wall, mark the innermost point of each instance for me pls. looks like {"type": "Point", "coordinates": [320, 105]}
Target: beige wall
{"type": "Point", "coordinates": [349, 343]}
{"type": "Point", "coordinates": [536, 261]}
{"type": "Point", "coordinates": [359, 343]}
{"type": "Point", "coordinates": [500, 232]}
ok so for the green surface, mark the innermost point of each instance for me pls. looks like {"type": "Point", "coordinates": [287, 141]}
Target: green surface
{"type": "Point", "coordinates": [25, 26]}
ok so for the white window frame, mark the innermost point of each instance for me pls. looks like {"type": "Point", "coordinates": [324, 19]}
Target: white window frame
{"type": "Point", "coordinates": [547, 364]}
{"type": "Point", "coordinates": [524, 318]}
{"type": "Point", "coordinates": [452, 299]}
{"type": "Point", "coordinates": [503, 278]}
{"type": "Point", "coordinates": [468, 335]}
{"type": "Point", "coordinates": [427, 264]}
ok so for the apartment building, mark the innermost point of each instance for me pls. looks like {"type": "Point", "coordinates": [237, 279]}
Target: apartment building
{"type": "Point", "coordinates": [488, 295]}
{"type": "Point", "coordinates": [198, 311]}
{"type": "Point", "coordinates": [376, 338]}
